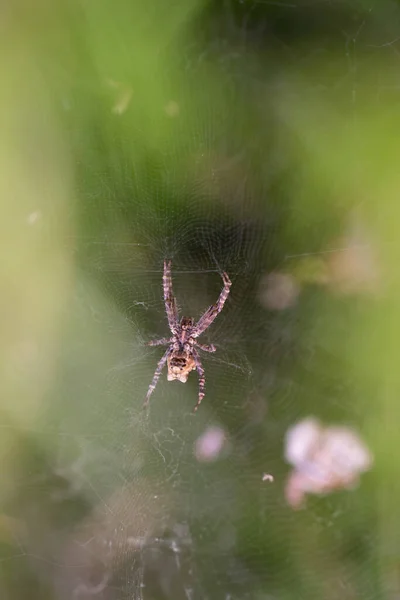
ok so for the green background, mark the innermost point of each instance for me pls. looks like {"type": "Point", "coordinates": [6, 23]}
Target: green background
{"type": "Point", "coordinates": [244, 136]}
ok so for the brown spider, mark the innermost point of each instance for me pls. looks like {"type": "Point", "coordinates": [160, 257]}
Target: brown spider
{"type": "Point", "coordinates": [182, 355]}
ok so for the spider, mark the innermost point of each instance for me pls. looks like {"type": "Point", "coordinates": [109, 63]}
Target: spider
{"type": "Point", "coordinates": [182, 355]}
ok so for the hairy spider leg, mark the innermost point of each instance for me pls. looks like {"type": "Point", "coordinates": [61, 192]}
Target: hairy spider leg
{"type": "Point", "coordinates": [171, 307]}
{"type": "Point", "coordinates": [206, 347]}
{"type": "Point", "coordinates": [160, 366]}
{"type": "Point", "coordinates": [212, 312]}
{"type": "Point", "coordinates": [202, 381]}
{"type": "Point", "coordinates": [161, 342]}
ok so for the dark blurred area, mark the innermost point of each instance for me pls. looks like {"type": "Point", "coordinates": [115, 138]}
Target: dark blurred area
{"type": "Point", "coordinates": [256, 138]}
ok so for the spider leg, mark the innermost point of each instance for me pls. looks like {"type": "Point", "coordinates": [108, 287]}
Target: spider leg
{"type": "Point", "coordinates": [161, 342]}
{"type": "Point", "coordinates": [160, 366]}
{"type": "Point", "coordinates": [212, 312]}
{"type": "Point", "coordinates": [206, 347]}
{"type": "Point", "coordinates": [171, 307]}
{"type": "Point", "coordinates": [202, 380]}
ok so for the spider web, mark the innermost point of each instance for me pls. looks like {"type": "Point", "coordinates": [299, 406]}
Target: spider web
{"type": "Point", "coordinates": [121, 504]}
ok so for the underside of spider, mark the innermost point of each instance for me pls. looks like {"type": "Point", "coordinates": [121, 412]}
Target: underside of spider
{"type": "Point", "coordinates": [182, 355]}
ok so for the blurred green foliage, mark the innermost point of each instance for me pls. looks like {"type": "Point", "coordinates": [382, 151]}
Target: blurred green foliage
{"type": "Point", "coordinates": [254, 137]}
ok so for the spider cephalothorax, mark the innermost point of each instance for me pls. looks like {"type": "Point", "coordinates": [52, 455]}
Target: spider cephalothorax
{"type": "Point", "coordinates": [182, 355]}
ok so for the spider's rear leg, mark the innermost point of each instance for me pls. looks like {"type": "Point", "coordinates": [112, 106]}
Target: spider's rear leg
{"type": "Point", "coordinates": [156, 377]}
{"type": "Point", "coordinates": [206, 347]}
{"type": "Point", "coordinates": [202, 381]}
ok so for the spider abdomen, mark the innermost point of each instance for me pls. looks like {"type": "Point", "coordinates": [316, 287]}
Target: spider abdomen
{"type": "Point", "coordinates": [179, 366]}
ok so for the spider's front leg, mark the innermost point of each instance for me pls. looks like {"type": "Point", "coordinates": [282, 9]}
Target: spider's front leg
{"type": "Point", "coordinates": [171, 307]}
{"type": "Point", "coordinates": [202, 380]}
{"type": "Point", "coordinates": [160, 366]}
{"type": "Point", "coordinates": [213, 311]}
